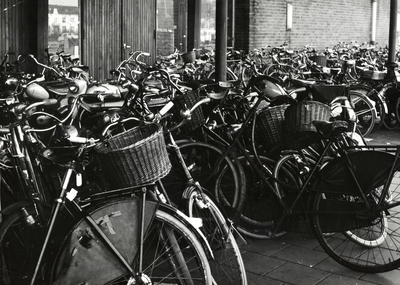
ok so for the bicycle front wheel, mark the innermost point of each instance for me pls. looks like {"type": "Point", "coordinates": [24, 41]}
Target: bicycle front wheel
{"type": "Point", "coordinates": [368, 243]}
{"type": "Point", "coordinates": [21, 240]}
{"type": "Point", "coordinates": [227, 266]}
{"type": "Point", "coordinates": [171, 253]}
{"type": "Point", "coordinates": [257, 215]}
{"type": "Point", "coordinates": [201, 159]}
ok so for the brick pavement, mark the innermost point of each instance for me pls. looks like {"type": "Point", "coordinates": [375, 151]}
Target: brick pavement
{"type": "Point", "coordinates": [297, 259]}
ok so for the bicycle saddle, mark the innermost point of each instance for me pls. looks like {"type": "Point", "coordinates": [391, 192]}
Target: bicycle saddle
{"type": "Point", "coordinates": [331, 128]}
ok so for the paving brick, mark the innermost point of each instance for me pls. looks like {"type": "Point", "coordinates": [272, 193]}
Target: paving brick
{"type": "Point", "coordinates": [265, 247]}
{"type": "Point", "coordinates": [300, 255]}
{"type": "Point", "coordinates": [344, 280]}
{"type": "Point", "coordinates": [260, 264]}
{"type": "Point", "coordinates": [254, 279]}
{"type": "Point", "coordinates": [387, 278]}
{"type": "Point", "coordinates": [295, 274]}
{"type": "Point", "coordinates": [331, 266]}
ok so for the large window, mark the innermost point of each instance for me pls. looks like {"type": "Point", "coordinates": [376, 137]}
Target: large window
{"type": "Point", "coordinates": [168, 34]}
{"type": "Point", "coordinates": [63, 27]}
{"type": "Point", "coordinates": [207, 31]}
{"type": "Point", "coordinates": [172, 19]}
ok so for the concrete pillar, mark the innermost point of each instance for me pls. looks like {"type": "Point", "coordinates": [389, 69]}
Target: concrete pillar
{"type": "Point", "coordinates": [221, 30]}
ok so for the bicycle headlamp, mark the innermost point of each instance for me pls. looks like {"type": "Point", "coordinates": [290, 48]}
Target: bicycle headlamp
{"type": "Point", "coordinates": [73, 87]}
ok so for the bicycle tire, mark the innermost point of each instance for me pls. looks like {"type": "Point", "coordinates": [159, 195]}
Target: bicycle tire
{"type": "Point", "coordinates": [227, 267]}
{"type": "Point", "coordinates": [398, 110]}
{"type": "Point", "coordinates": [256, 219]}
{"type": "Point", "coordinates": [365, 112]}
{"type": "Point", "coordinates": [293, 173]}
{"type": "Point", "coordinates": [367, 237]}
{"type": "Point", "coordinates": [201, 157]}
{"type": "Point", "coordinates": [380, 112]}
{"type": "Point", "coordinates": [172, 253]}
{"type": "Point", "coordinates": [277, 71]}
{"type": "Point", "coordinates": [246, 74]}
{"type": "Point", "coordinates": [230, 75]}
{"type": "Point", "coordinates": [372, 249]}
{"type": "Point", "coordinates": [10, 190]}
{"type": "Point", "coordinates": [391, 95]}
{"type": "Point", "coordinates": [20, 244]}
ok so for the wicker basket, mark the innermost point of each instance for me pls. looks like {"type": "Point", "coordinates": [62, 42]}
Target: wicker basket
{"type": "Point", "coordinates": [320, 60]}
{"type": "Point", "coordinates": [187, 100]}
{"type": "Point", "coordinates": [269, 128]}
{"type": "Point", "coordinates": [372, 74]}
{"type": "Point", "coordinates": [188, 57]}
{"type": "Point", "coordinates": [298, 129]}
{"type": "Point", "coordinates": [134, 157]}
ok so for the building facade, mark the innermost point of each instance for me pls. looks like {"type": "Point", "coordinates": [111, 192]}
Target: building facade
{"type": "Point", "coordinates": [106, 27]}
{"type": "Point", "coordinates": [321, 23]}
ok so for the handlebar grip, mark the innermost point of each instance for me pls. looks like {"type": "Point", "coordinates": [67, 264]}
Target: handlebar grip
{"type": "Point", "coordinates": [166, 108]}
{"type": "Point", "coordinates": [78, 140]}
{"type": "Point", "coordinates": [145, 54]}
{"type": "Point", "coordinates": [82, 140]}
{"type": "Point", "coordinates": [49, 102]}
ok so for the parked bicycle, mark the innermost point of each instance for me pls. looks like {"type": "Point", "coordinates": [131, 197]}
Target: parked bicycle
{"type": "Point", "coordinates": [344, 199]}
{"type": "Point", "coordinates": [133, 237]}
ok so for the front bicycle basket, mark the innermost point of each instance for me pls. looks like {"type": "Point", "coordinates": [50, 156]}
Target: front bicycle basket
{"type": "Point", "coordinates": [187, 100]}
{"type": "Point", "coordinates": [134, 157]}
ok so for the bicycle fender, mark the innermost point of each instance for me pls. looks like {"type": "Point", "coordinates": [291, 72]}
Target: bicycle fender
{"type": "Point", "coordinates": [84, 258]}
{"type": "Point", "coordinates": [16, 207]}
{"type": "Point", "coordinates": [191, 225]}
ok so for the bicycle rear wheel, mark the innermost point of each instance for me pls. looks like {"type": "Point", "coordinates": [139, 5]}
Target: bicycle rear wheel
{"type": "Point", "coordinates": [365, 112]}
{"type": "Point", "coordinates": [363, 243]}
{"type": "Point", "coordinates": [379, 105]}
{"type": "Point", "coordinates": [227, 266]}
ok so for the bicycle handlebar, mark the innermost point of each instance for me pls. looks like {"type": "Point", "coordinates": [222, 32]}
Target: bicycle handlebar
{"type": "Point", "coordinates": [45, 66]}
{"type": "Point", "coordinates": [186, 114]}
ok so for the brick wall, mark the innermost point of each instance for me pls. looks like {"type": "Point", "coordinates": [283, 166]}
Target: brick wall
{"type": "Point", "coordinates": [321, 23]}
